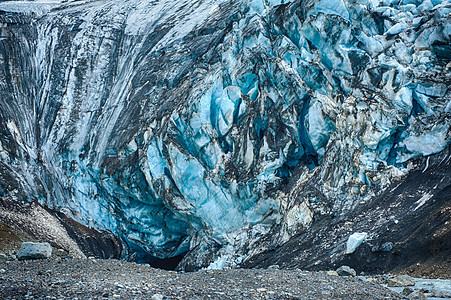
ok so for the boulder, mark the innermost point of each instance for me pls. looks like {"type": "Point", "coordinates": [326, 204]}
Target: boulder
{"type": "Point", "coordinates": [346, 271]}
{"type": "Point", "coordinates": [386, 247]}
{"type": "Point", "coordinates": [407, 291]}
{"type": "Point", "coordinates": [400, 281]}
{"type": "Point", "coordinates": [332, 273]}
{"type": "Point", "coordinates": [417, 296]}
{"type": "Point", "coordinates": [30, 250]}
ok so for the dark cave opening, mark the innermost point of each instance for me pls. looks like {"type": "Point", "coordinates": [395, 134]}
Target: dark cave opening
{"type": "Point", "coordinates": [169, 263]}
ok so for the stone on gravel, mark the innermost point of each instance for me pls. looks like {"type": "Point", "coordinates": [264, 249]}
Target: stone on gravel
{"type": "Point", "coordinates": [355, 240]}
{"type": "Point", "coordinates": [387, 247]}
{"type": "Point", "coordinates": [400, 281]}
{"type": "Point", "coordinates": [417, 296]}
{"type": "Point", "coordinates": [332, 273]}
{"type": "Point", "coordinates": [77, 278]}
{"type": "Point", "coordinates": [157, 297]}
{"type": "Point", "coordinates": [346, 271]}
{"type": "Point", "coordinates": [30, 250]}
{"type": "Point", "coordinates": [407, 291]}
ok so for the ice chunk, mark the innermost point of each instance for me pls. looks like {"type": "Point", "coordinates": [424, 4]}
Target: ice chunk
{"type": "Point", "coordinates": [335, 7]}
{"type": "Point", "coordinates": [403, 99]}
{"type": "Point", "coordinates": [355, 240]}
{"type": "Point", "coordinates": [318, 127]}
{"type": "Point", "coordinates": [397, 28]}
{"type": "Point", "coordinates": [427, 143]}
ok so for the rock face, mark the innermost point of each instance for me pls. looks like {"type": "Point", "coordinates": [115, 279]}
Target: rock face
{"type": "Point", "coordinates": [219, 128]}
{"type": "Point", "coordinates": [22, 222]}
{"type": "Point", "coordinates": [30, 250]}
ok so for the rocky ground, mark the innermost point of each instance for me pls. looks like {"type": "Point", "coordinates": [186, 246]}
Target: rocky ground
{"type": "Point", "coordinates": [64, 277]}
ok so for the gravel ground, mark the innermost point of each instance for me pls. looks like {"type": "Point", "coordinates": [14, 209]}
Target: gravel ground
{"type": "Point", "coordinates": [113, 279]}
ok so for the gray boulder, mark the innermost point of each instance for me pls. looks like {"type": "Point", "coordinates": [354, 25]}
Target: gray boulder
{"type": "Point", "coordinates": [400, 281]}
{"type": "Point", "coordinates": [407, 291]}
{"type": "Point", "coordinates": [417, 296]}
{"type": "Point", "coordinates": [346, 271]}
{"type": "Point", "coordinates": [30, 250]}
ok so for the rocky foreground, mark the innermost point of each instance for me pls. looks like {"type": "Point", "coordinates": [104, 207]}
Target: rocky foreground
{"type": "Point", "coordinates": [64, 276]}
{"type": "Point", "coordinates": [108, 279]}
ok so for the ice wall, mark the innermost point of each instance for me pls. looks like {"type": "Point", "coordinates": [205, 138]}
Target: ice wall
{"type": "Point", "coordinates": [194, 125]}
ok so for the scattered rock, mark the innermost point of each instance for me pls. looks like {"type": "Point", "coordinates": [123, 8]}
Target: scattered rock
{"type": "Point", "coordinates": [12, 257]}
{"type": "Point", "coordinates": [417, 296]}
{"type": "Point", "coordinates": [407, 291]}
{"type": "Point", "coordinates": [30, 250]}
{"type": "Point", "coordinates": [355, 240]}
{"type": "Point", "coordinates": [2, 271]}
{"type": "Point", "coordinates": [346, 271]}
{"type": "Point", "coordinates": [113, 279]}
{"type": "Point", "coordinates": [400, 281]}
{"type": "Point", "coordinates": [381, 279]}
{"type": "Point", "coordinates": [333, 273]}
{"type": "Point", "coordinates": [158, 297]}
{"type": "Point", "coordinates": [362, 278]}
{"type": "Point", "coordinates": [386, 247]}
{"type": "Point", "coordinates": [446, 295]}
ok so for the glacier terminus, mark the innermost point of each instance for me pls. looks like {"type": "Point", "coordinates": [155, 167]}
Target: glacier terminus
{"type": "Point", "coordinates": [221, 131]}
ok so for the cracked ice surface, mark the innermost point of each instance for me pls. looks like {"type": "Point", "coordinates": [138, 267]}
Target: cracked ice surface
{"type": "Point", "coordinates": [199, 125]}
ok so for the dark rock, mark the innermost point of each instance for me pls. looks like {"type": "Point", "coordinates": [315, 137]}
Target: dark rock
{"type": "Point", "coordinates": [417, 296]}
{"type": "Point", "coordinates": [423, 253]}
{"type": "Point", "coordinates": [407, 291]}
{"type": "Point", "coordinates": [27, 223]}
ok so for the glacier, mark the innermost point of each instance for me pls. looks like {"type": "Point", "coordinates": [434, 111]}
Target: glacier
{"type": "Point", "coordinates": [197, 127]}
